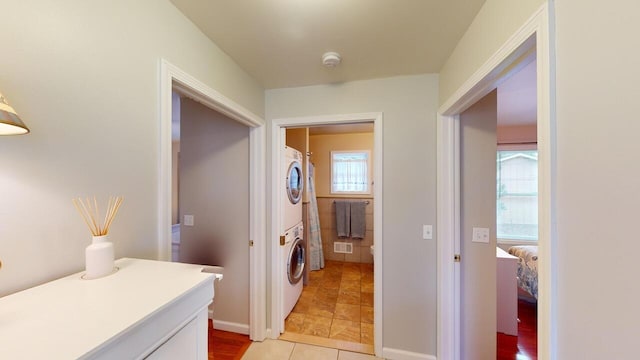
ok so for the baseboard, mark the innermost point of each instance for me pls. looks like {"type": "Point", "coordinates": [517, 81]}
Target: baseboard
{"type": "Point", "coordinates": [231, 327]}
{"type": "Point", "coordinates": [395, 354]}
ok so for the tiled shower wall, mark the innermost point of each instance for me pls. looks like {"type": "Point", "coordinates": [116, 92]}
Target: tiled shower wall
{"type": "Point", "coordinates": [327, 213]}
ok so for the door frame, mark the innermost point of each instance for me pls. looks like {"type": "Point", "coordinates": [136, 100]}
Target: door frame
{"type": "Point", "coordinates": [172, 77]}
{"type": "Point", "coordinates": [278, 128]}
{"type": "Point", "coordinates": [536, 33]}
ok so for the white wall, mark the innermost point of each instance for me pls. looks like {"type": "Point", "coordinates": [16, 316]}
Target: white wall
{"type": "Point", "coordinates": [214, 188]}
{"type": "Point", "coordinates": [409, 105]}
{"type": "Point", "coordinates": [496, 21]}
{"type": "Point", "coordinates": [84, 77]}
{"type": "Point", "coordinates": [598, 197]}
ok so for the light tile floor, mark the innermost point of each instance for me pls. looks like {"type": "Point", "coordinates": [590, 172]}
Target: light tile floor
{"type": "Point", "coordinates": [285, 350]}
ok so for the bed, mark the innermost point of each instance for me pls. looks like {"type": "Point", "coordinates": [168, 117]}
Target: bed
{"type": "Point", "coordinates": [527, 268]}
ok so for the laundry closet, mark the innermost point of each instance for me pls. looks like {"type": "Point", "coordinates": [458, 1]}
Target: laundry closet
{"type": "Point", "coordinates": [337, 219]}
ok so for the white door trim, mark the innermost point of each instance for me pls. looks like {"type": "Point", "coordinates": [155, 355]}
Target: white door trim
{"type": "Point", "coordinates": [172, 77]}
{"type": "Point", "coordinates": [277, 143]}
{"type": "Point", "coordinates": [537, 30]}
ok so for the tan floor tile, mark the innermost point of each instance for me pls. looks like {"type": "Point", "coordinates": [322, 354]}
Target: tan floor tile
{"type": "Point", "coordinates": [351, 266]}
{"type": "Point", "coordinates": [350, 275]}
{"type": "Point", "coordinates": [366, 298]}
{"type": "Point", "coordinates": [366, 287]}
{"type": "Point", "coordinates": [294, 322]}
{"type": "Point", "coordinates": [349, 297]}
{"type": "Point", "coordinates": [308, 295]}
{"type": "Point", "coordinates": [322, 309]}
{"type": "Point", "coordinates": [347, 312]}
{"type": "Point", "coordinates": [269, 350]}
{"type": "Point", "coordinates": [366, 269]}
{"type": "Point", "coordinates": [327, 295]}
{"type": "Point", "coordinates": [316, 326]}
{"type": "Point", "coordinates": [350, 285]}
{"type": "Point", "coordinates": [330, 264]}
{"type": "Point", "coordinates": [330, 283]}
{"type": "Point", "coordinates": [345, 330]}
{"type": "Point", "coordinates": [312, 352]}
{"type": "Point", "coordinates": [367, 278]}
{"type": "Point", "coordinates": [366, 314]}
{"type": "Point", "coordinates": [302, 306]}
{"type": "Point", "coordinates": [315, 275]}
{"type": "Point", "coordinates": [366, 333]}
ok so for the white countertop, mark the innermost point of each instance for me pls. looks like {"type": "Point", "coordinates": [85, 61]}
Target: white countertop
{"type": "Point", "coordinates": [71, 317]}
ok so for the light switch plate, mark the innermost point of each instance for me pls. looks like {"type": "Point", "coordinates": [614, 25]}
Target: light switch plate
{"type": "Point", "coordinates": [480, 235]}
{"type": "Point", "coordinates": [427, 232]}
{"type": "Point", "coordinates": [188, 220]}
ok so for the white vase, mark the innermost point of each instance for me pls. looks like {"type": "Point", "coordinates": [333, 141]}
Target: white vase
{"type": "Point", "coordinates": [99, 258]}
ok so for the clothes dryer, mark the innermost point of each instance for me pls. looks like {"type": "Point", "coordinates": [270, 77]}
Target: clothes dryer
{"type": "Point", "coordinates": [292, 189]}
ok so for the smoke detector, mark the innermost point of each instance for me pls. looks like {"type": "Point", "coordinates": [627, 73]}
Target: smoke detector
{"type": "Point", "coordinates": [331, 59]}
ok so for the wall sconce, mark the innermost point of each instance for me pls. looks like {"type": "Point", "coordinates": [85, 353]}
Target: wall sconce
{"type": "Point", "coordinates": [10, 123]}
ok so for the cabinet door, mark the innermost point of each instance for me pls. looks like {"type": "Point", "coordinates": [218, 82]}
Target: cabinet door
{"type": "Point", "coordinates": [182, 345]}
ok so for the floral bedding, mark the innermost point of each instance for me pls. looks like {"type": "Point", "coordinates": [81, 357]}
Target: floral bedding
{"type": "Point", "coordinates": [527, 268]}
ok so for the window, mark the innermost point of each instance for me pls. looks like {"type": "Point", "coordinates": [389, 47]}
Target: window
{"type": "Point", "coordinates": [350, 172]}
{"type": "Point", "coordinates": [517, 195]}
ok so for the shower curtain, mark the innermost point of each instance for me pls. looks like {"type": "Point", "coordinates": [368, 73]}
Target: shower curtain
{"type": "Point", "coordinates": [316, 257]}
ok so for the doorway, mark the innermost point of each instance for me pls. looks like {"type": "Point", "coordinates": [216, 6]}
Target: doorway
{"type": "Point", "coordinates": [278, 137]}
{"type": "Point", "coordinates": [173, 78]}
{"type": "Point", "coordinates": [532, 35]}
{"type": "Point", "coordinates": [334, 306]}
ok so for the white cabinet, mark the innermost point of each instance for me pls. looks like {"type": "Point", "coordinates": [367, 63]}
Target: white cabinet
{"type": "Point", "coordinates": [147, 309]}
{"type": "Point", "coordinates": [507, 297]}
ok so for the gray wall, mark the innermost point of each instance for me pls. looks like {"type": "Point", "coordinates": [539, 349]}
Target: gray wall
{"type": "Point", "coordinates": [409, 104]}
{"type": "Point", "coordinates": [214, 188]}
{"type": "Point", "coordinates": [478, 209]}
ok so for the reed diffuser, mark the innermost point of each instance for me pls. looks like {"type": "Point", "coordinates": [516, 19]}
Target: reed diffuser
{"type": "Point", "coordinates": [99, 256]}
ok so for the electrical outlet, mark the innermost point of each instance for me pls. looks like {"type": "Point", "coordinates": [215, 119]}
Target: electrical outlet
{"type": "Point", "coordinates": [188, 220]}
{"type": "Point", "coordinates": [427, 232]}
{"type": "Point", "coordinates": [480, 235]}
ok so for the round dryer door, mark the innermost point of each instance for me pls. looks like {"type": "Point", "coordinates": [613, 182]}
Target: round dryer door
{"type": "Point", "coordinates": [295, 262]}
{"type": "Point", "coordinates": [295, 182]}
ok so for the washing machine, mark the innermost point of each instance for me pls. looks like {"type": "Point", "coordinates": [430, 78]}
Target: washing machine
{"type": "Point", "coordinates": [292, 189]}
{"type": "Point", "coordinates": [293, 255]}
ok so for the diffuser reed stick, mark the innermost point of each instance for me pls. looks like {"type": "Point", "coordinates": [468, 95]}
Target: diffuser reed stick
{"type": "Point", "coordinates": [91, 213]}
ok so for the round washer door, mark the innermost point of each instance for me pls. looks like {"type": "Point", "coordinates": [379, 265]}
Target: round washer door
{"type": "Point", "coordinates": [295, 262]}
{"type": "Point", "coordinates": [295, 182]}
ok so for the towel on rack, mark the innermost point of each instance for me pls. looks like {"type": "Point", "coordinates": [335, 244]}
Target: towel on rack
{"type": "Point", "coordinates": [358, 222]}
{"type": "Point", "coordinates": [343, 217]}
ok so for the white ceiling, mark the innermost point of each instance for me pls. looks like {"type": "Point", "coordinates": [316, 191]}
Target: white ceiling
{"type": "Point", "coordinates": [280, 42]}
{"type": "Point", "coordinates": [517, 103]}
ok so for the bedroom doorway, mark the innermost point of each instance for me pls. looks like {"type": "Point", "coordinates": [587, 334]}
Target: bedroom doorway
{"type": "Point", "coordinates": [532, 38]}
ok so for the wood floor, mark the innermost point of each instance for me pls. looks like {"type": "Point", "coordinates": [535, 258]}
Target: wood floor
{"type": "Point", "coordinates": [523, 346]}
{"type": "Point", "coordinates": [224, 345]}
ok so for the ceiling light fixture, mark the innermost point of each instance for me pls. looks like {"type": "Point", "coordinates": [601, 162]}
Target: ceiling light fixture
{"type": "Point", "coordinates": [331, 59]}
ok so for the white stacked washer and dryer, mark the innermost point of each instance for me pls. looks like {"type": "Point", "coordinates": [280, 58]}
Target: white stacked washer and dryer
{"type": "Point", "coordinates": [293, 249]}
